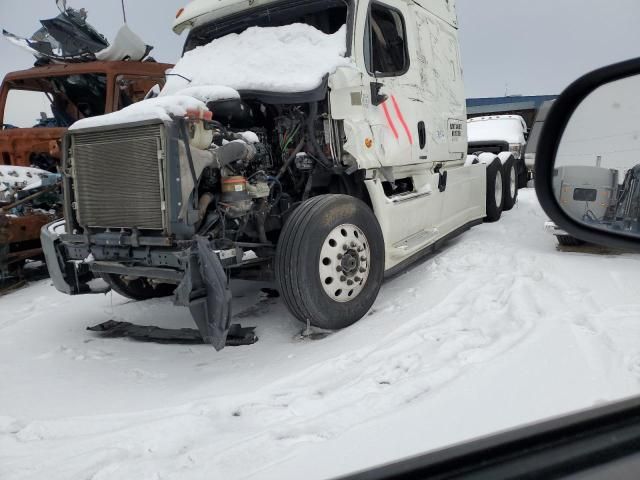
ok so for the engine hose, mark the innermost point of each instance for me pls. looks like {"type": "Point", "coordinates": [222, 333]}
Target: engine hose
{"type": "Point", "coordinates": [311, 130]}
{"type": "Point", "coordinates": [289, 160]}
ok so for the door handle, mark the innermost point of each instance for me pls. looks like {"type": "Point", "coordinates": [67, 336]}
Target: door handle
{"type": "Point", "coordinates": [422, 135]}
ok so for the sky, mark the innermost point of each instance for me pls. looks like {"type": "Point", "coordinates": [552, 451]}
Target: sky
{"type": "Point", "coordinates": [521, 47]}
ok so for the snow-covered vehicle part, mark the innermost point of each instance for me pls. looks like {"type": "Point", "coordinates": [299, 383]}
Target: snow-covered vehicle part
{"type": "Point", "coordinates": [327, 163]}
{"type": "Point", "coordinates": [500, 134]}
{"type": "Point", "coordinates": [29, 198]}
{"type": "Point", "coordinates": [69, 38]}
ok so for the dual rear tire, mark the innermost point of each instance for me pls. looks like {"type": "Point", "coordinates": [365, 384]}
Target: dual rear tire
{"type": "Point", "coordinates": [495, 189]}
{"type": "Point", "coordinates": [510, 183]}
{"type": "Point", "coordinates": [502, 188]}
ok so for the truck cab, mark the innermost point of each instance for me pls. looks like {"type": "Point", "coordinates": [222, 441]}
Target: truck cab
{"type": "Point", "coordinates": [38, 105]}
{"type": "Point", "coordinates": [498, 134]}
{"type": "Point", "coordinates": [322, 144]}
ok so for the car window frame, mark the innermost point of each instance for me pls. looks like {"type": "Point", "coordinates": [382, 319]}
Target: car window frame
{"type": "Point", "coordinates": [368, 43]}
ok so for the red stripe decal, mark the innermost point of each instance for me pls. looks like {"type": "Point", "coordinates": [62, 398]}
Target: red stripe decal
{"type": "Point", "coordinates": [389, 121]}
{"type": "Point", "coordinates": [401, 118]}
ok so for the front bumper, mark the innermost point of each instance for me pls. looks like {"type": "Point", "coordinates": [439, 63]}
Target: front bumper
{"type": "Point", "coordinates": [60, 272]}
{"type": "Point", "coordinates": [195, 268]}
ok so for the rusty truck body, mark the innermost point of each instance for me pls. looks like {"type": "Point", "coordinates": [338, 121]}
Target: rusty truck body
{"type": "Point", "coordinates": [66, 93]}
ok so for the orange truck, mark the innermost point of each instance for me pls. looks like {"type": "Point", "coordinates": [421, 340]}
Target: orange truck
{"type": "Point", "coordinates": [36, 108]}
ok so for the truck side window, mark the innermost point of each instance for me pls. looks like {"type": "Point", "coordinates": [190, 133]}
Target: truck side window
{"type": "Point", "coordinates": [27, 109]}
{"type": "Point", "coordinates": [385, 49]}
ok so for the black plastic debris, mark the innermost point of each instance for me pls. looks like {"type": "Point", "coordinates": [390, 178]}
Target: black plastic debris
{"type": "Point", "coordinates": [238, 335]}
{"type": "Point", "coordinates": [70, 38]}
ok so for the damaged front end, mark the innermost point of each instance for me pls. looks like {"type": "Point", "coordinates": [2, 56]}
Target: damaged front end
{"type": "Point", "coordinates": [135, 219]}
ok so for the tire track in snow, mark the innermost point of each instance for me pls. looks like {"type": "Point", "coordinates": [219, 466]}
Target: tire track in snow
{"type": "Point", "coordinates": [475, 322]}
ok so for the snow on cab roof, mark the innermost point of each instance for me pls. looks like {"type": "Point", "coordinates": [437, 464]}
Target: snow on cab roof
{"type": "Point", "coordinates": [198, 12]}
{"type": "Point", "coordinates": [288, 59]}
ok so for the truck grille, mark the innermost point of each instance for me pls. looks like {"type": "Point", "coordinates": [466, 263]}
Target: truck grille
{"type": "Point", "coordinates": [117, 177]}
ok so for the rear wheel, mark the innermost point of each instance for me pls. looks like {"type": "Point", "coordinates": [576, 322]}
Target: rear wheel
{"type": "Point", "coordinates": [137, 288]}
{"type": "Point", "coordinates": [510, 184]}
{"type": "Point", "coordinates": [330, 261]}
{"type": "Point", "coordinates": [495, 186]}
{"type": "Point", "coordinates": [523, 173]}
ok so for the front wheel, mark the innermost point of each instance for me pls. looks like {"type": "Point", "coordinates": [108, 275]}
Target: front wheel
{"type": "Point", "coordinates": [330, 261]}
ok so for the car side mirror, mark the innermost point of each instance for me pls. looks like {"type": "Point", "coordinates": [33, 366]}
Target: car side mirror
{"type": "Point", "coordinates": [377, 98]}
{"type": "Point", "coordinates": [588, 159]}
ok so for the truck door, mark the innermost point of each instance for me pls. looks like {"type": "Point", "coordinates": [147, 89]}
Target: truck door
{"type": "Point", "coordinates": [442, 87]}
{"type": "Point", "coordinates": [392, 103]}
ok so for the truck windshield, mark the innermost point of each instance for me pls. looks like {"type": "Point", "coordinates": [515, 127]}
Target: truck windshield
{"type": "Point", "coordinates": [55, 101]}
{"type": "Point", "coordinates": [325, 15]}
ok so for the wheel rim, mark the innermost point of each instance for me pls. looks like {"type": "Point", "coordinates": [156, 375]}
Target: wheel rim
{"type": "Point", "coordinates": [513, 183]}
{"type": "Point", "coordinates": [344, 263]}
{"type": "Point", "coordinates": [498, 189]}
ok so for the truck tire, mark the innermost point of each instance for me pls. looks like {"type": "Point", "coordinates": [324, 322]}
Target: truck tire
{"type": "Point", "coordinates": [523, 174]}
{"type": "Point", "coordinates": [330, 261]}
{"type": "Point", "coordinates": [137, 289]}
{"type": "Point", "coordinates": [495, 185]}
{"type": "Point", "coordinates": [510, 184]}
{"type": "Point", "coordinates": [569, 241]}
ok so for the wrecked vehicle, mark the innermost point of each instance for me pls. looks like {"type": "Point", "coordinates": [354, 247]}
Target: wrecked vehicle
{"type": "Point", "coordinates": [320, 143]}
{"type": "Point", "coordinates": [29, 199]}
{"type": "Point", "coordinates": [39, 104]}
{"type": "Point", "coordinates": [67, 84]}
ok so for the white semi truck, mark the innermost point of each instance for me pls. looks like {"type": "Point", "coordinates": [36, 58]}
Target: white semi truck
{"type": "Point", "coordinates": [502, 134]}
{"type": "Point", "coordinates": [247, 167]}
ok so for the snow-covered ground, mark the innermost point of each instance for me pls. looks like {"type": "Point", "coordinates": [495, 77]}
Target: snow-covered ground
{"type": "Point", "coordinates": [496, 330]}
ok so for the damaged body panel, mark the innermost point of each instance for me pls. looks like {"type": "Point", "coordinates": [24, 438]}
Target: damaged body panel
{"type": "Point", "coordinates": [68, 38]}
{"type": "Point", "coordinates": [29, 199]}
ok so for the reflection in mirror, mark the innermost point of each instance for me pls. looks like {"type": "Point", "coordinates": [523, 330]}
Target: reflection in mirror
{"type": "Point", "coordinates": [597, 169]}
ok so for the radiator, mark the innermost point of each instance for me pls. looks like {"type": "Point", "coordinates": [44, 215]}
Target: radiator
{"type": "Point", "coordinates": [117, 177]}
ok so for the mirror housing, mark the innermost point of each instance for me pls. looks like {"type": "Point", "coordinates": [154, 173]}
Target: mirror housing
{"type": "Point", "coordinates": [377, 98]}
{"type": "Point", "coordinates": [559, 117]}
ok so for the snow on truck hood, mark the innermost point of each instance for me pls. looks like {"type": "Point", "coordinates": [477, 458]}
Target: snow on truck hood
{"type": "Point", "coordinates": [288, 59]}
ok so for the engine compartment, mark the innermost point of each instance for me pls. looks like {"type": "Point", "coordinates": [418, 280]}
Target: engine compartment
{"type": "Point", "coordinates": [294, 153]}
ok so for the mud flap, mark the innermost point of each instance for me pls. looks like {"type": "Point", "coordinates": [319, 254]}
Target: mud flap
{"type": "Point", "coordinates": [237, 336]}
{"type": "Point", "coordinates": [204, 289]}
